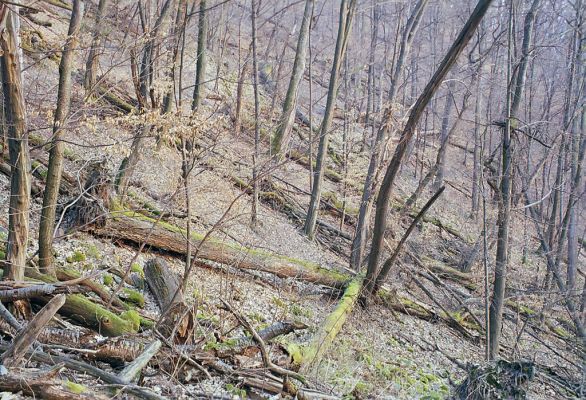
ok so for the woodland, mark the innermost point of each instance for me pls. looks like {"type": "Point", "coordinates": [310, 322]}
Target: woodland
{"type": "Point", "coordinates": [292, 199]}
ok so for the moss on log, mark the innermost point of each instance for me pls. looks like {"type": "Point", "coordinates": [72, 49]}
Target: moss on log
{"type": "Point", "coordinates": [332, 325]}
{"type": "Point", "coordinates": [86, 312]}
{"type": "Point", "coordinates": [137, 228]}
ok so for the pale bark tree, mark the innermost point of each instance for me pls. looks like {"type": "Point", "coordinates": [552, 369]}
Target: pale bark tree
{"type": "Point", "coordinates": [20, 180]}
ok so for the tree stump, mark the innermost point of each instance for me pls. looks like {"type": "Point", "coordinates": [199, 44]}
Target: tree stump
{"type": "Point", "coordinates": [177, 317]}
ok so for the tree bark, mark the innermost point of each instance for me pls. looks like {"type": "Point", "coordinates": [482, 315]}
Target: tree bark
{"type": "Point", "coordinates": [280, 141]}
{"type": "Point", "coordinates": [347, 9]}
{"type": "Point", "coordinates": [202, 34]}
{"type": "Point", "coordinates": [20, 185]}
{"type": "Point", "coordinates": [55, 169]}
{"type": "Point", "coordinates": [91, 65]}
{"type": "Point", "coordinates": [359, 242]}
{"type": "Point", "coordinates": [384, 195]}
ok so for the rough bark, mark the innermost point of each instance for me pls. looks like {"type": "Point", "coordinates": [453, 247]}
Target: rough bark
{"type": "Point", "coordinates": [20, 186]}
{"type": "Point", "coordinates": [164, 285]}
{"type": "Point", "coordinates": [53, 181]}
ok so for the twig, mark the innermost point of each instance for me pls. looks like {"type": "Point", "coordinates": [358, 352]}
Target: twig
{"type": "Point", "coordinates": [263, 349]}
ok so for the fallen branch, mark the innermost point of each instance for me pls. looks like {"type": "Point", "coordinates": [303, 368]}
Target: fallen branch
{"type": "Point", "coordinates": [131, 371]}
{"type": "Point", "coordinates": [27, 336]}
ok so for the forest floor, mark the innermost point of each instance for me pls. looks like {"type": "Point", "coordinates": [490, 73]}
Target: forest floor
{"type": "Point", "coordinates": [380, 353]}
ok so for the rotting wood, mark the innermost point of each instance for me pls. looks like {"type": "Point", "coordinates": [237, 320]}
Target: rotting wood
{"type": "Point", "coordinates": [26, 336]}
{"type": "Point", "coordinates": [328, 331]}
{"type": "Point", "coordinates": [131, 371]}
{"type": "Point", "coordinates": [177, 317]}
{"type": "Point", "coordinates": [132, 226]}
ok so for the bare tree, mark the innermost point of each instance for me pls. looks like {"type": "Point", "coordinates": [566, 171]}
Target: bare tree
{"type": "Point", "coordinates": [55, 169]}
{"type": "Point", "coordinates": [202, 35]}
{"type": "Point", "coordinates": [347, 9]}
{"type": "Point", "coordinates": [280, 140]}
{"type": "Point", "coordinates": [384, 195]}
{"type": "Point", "coordinates": [91, 65]}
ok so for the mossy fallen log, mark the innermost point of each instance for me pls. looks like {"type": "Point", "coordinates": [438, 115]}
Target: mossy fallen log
{"type": "Point", "coordinates": [332, 325]}
{"type": "Point", "coordinates": [86, 312]}
{"type": "Point", "coordinates": [137, 228]}
{"type": "Point", "coordinates": [302, 159]}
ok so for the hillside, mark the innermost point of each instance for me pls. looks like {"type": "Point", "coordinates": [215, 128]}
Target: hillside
{"type": "Point", "coordinates": [190, 274]}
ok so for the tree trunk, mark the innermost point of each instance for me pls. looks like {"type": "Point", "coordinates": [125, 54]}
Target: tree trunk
{"type": "Point", "coordinates": [280, 141]}
{"type": "Point", "coordinates": [91, 65]}
{"type": "Point", "coordinates": [53, 181]}
{"type": "Point", "coordinates": [176, 320]}
{"type": "Point", "coordinates": [504, 205]}
{"type": "Point", "coordinates": [128, 164]}
{"type": "Point", "coordinates": [20, 186]}
{"type": "Point", "coordinates": [202, 34]}
{"type": "Point", "coordinates": [256, 156]}
{"type": "Point", "coordinates": [444, 136]}
{"type": "Point", "coordinates": [347, 9]}
{"type": "Point", "coordinates": [359, 242]}
{"type": "Point", "coordinates": [384, 195]}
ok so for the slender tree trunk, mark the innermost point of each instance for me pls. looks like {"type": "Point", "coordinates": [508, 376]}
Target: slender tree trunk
{"type": "Point", "coordinates": [199, 90]}
{"type": "Point", "coordinates": [255, 158]}
{"type": "Point", "coordinates": [439, 176]}
{"type": "Point", "coordinates": [14, 108]}
{"type": "Point", "coordinates": [384, 195]}
{"type": "Point", "coordinates": [91, 65]}
{"type": "Point", "coordinates": [47, 224]}
{"type": "Point", "coordinates": [504, 205]}
{"type": "Point", "coordinates": [281, 139]}
{"type": "Point", "coordinates": [359, 242]}
{"type": "Point", "coordinates": [129, 163]}
{"type": "Point", "coordinates": [347, 9]}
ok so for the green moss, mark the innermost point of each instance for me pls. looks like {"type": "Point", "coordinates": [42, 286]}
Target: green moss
{"type": "Point", "coordinates": [279, 303]}
{"type": "Point", "coordinates": [2, 255]}
{"type": "Point", "coordinates": [92, 251]}
{"type": "Point", "coordinates": [134, 297]}
{"type": "Point", "coordinates": [236, 391]}
{"type": "Point", "coordinates": [295, 352]}
{"type": "Point", "coordinates": [77, 256]}
{"type": "Point", "coordinates": [340, 278]}
{"type": "Point", "coordinates": [137, 269]}
{"type": "Point", "coordinates": [133, 317]}
{"type": "Point", "coordinates": [108, 279]}
{"type": "Point", "coordinates": [75, 387]}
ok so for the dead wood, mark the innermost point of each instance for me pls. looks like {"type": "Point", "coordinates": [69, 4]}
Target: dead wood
{"type": "Point", "coordinates": [177, 321]}
{"type": "Point", "coordinates": [139, 229]}
{"type": "Point", "coordinates": [30, 291]}
{"type": "Point", "coordinates": [27, 336]}
{"type": "Point", "coordinates": [131, 372]}
{"type": "Point", "coordinates": [42, 386]}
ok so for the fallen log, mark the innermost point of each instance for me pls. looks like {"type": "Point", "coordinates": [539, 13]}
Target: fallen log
{"type": "Point", "coordinates": [177, 317]}
{"type": "Point", "coordinates": [27, 292]}
{"type": "Point", "coordinates": [131, 372]}
{"type": "Point", "coordinates": [327, 333]}
{"type": "Point", "coordinates": [79, 366]}
{"type": "Point", "coordinates": [86, 312]}
{"type": "Point", "coordinates": [137, 228]}
{"type": "Point", "coordinates": [43, 386]}
{"type": "Point", "coordinates": [27, 336]}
